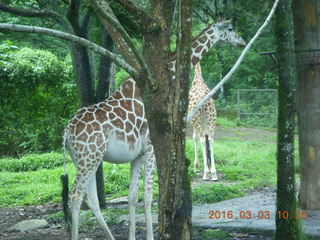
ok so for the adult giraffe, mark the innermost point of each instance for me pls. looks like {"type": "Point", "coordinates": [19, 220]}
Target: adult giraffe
{"type": "Point", "coordinates": [116, 131]}
{"type": "Point", "coordinates": [203, 124]}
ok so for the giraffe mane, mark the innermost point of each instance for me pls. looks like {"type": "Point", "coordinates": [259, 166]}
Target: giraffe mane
{"type": "Point", "coordinates": [174, 54]}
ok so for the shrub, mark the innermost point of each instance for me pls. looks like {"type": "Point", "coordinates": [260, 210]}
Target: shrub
{"type": "Point", "coordinates": [214, 193]}
{"type": "Point", "coordinates": [32, 162]}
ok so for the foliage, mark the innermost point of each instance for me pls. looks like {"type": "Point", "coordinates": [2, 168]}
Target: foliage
{"type": "Point", "coordinates": [37, 101]}
{"type": "Point", "coordinates": [32, 162]}
{"type": "Point", "coordinates": [211, 193]}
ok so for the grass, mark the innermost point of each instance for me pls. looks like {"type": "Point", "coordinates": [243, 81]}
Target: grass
{"type": "Point", "coordinates": [35, 179]}
{"type": "Point", "coordinates": [215, 234]}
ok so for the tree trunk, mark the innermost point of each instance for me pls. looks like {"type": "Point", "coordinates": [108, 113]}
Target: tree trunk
{"type": "Point", "coordinates": [307, 36]}
{"type": "Point", "coordinates": [286, 228]}
{"type": "Point", "coordinates": [165, 112]}
{"type": "Point", "coordinates": [102, 92]}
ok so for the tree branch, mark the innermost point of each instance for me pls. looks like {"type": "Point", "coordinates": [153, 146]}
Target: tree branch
{"type": "Point", "coordinates": [31, 13]}
{"type": "Point", "coordinates": [236, 65]}
{"type": "Point", "coordinates": [138, 13]}
{"type": "Point", "coordinates": [118, 33]}
{"type": "Point", "coordinates": [72, 38]}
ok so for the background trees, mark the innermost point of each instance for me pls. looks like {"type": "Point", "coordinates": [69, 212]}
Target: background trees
{"type": "Point", "coordinates": [307, 33]}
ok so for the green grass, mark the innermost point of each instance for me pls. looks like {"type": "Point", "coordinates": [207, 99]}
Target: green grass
{"type": "Point", "coordinates": [245, 164]}
{"type": "Point", "coordinates": [38, 187]}
{"type": "Point", "coordinates": [212, 193]}
{"type": "Point", "coordinates": [222, 121]}
{"type": "Point", "coordinates": [250, 164]}
{"type": "Point", "coordinates": [215, 234]}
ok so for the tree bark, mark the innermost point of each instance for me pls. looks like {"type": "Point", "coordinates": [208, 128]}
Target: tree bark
{"type": "Point", "coordinates": [307, 36]}
{"type": "Point", "coordinates": [166, 111]}
{"type": "Point", "coordinates": [286, 201]}
{"type": "Point", "coordinates": [102, 92]}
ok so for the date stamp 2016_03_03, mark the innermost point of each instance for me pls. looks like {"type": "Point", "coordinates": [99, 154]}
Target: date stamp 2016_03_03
{"type": "Point", "coordinates": [262, 214]}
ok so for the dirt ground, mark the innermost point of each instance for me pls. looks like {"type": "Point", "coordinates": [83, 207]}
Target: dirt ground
{"type": "Point", "coordinates": [10, 216]}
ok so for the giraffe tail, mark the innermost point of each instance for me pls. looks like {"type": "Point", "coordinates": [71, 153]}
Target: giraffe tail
{"type": "Point", "coordinates": [65, 190]}
{"type": "Point", "coordinates": [208, 151]}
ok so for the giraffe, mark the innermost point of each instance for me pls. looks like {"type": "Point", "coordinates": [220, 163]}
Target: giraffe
{"type": "Point", "coordinates": [96, 134]}
{"type": "Point", "coordinates": [204, 121]}
{"type": "Point", "coordinates": [203, 124]}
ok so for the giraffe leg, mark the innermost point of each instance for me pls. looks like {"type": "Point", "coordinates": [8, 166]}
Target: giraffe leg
{"type": "Point", "coordinates": [206, 172]}
{"type": "Point", "coordinates": [76, 196]}
{"type": "Point", "coordinates": [91, 198]}
{"type": "Point", "coordinates": [133, 195]}
{"type": "Point", "coordinates": [213, 167]}
{"type": "Point", "coordinates": [75, 205]}
{"type": "Point", "coordinates": [149, 168]}
{"type": "Point", "coordinates": [196, 159]}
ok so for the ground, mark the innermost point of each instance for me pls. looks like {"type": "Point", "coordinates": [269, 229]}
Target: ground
{"type": "Point", "coordinates": [253, 201]}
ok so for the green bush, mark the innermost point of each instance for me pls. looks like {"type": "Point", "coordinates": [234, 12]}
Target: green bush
{"type": "Point", "coordinates": [38, 97]}
{"type": "Point", "coordinates": [214, 193]}
{"type": "Point", "coordinates": [32, 162]}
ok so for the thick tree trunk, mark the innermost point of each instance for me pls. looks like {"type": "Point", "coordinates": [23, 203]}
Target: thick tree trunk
{"type": "Point", "coordinates": [307, 36]}
{"type": "Point", "coordinates": [165, 112]}
{"type": "Point", "coordinates": [286, 228]}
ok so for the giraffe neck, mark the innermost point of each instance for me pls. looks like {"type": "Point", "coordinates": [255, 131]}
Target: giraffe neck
{"type": "Point", "coordinates": [202, 43]}
{"type": "Point", "coordinates": [200, 46]}
{"type": "Point", "coordinates": [198, 79]}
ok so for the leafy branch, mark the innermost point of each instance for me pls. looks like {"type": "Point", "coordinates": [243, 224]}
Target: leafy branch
{"type": "Point", "coordinates": [70, 37]}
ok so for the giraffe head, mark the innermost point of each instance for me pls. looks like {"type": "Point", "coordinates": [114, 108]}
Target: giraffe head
{"type": "Point", "coordinates": [223, 32]}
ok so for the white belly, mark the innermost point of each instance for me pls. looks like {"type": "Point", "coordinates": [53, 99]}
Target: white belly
{"type": "Point", "coordinates": [121, 152]}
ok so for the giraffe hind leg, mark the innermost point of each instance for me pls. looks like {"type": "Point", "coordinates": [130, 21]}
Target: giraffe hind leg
{"type": "Point", "coordinates": [213, 167]}
{"type": "Point", "coordinates": [135, 170]}
{"type": "Point", "coordinates": [91, 198]}
{"type": "Point", "coordinates": [206, 172]}
{"type": "Point", "coordinates": [196, 159]}
{"type": "Point", "coordinates": [149, 168]}
{"type": "Point", "coordinates": [76, 196]}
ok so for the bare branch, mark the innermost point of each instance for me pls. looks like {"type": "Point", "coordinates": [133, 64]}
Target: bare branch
{"type": "Point", "coordinates": [120, 36]}
{"type": "Point", "coordinates": [236, 65]}
{"type": "Point", "coordinates": [69, 37]}
{"type": "Point", "coordinates": [137, 12]}
{"type": "Point", "coordinates": [32, 13]}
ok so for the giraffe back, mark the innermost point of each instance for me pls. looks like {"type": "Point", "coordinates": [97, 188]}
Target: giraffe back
{"type": "Point", "coordinates": [115, 129]}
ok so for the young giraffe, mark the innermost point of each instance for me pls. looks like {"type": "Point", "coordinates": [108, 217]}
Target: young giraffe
{"type": "Point", "coordinates": [98, 132]}
{"type": "Point", "coordinates": [203, 123]}
{"type": "Point", "coordinates": [115, 131]}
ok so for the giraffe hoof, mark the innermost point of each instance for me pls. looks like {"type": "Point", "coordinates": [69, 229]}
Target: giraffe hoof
{"type": "Point", "coordinates": [206, 177]}
{"type": "Point", "coordinates": [214, 176]}
{"type": "Point", "coordinates": [214, 179]}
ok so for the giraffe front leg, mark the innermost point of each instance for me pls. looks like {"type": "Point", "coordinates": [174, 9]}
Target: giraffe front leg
{"type": "Point", "coordinates": [149, 168]}
{"type": "Point", "coordinates": [133, 195]}
{"type": "Point", "coordinates": [196, 159]}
